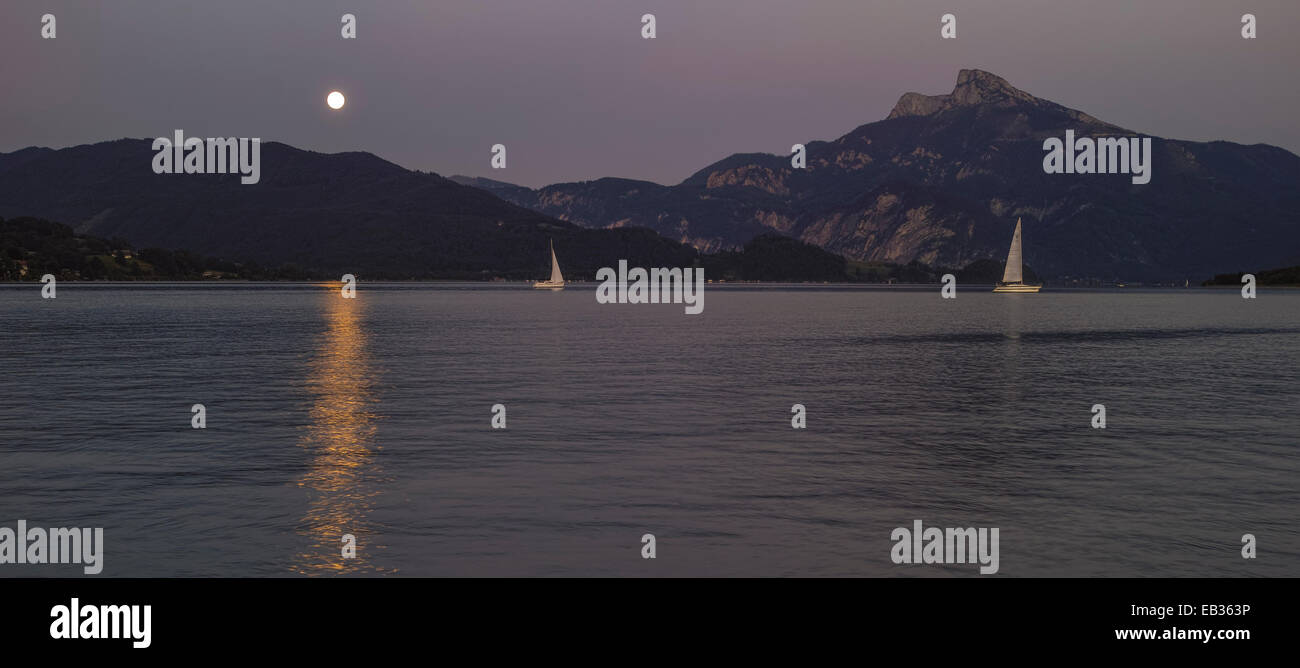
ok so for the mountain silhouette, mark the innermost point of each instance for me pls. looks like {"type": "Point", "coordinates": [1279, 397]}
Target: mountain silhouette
{"type": "Point", "coordinates": [339, 213]}
{"type": "Point", "coordinates": [943, 179]}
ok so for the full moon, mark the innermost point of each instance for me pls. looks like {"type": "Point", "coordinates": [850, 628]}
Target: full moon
{"type": "Point", "coordinates": [334, 100]}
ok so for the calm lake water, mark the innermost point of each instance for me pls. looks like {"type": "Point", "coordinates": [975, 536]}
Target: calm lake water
{"type": "Point", "coordinates": [373, 416]}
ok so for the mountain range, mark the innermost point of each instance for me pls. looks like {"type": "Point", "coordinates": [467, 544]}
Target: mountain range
{"type": "Point", "coordinates": [329, 213]}
{"type": "Point", "coordinates": [940, 181]}
{"type": "Point", "coordinates": [943, 180]}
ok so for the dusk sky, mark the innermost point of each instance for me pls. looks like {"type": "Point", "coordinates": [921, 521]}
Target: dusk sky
{"type": "Point", "coordinates": [575, 93]}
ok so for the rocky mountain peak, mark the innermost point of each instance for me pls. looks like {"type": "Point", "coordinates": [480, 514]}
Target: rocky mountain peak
{"type": "Point", "coordinates": [974, 87]}
{"type": "Point", "coordinates": [946, 183]}
{"type": "Point", "coordinates": [978, 87]}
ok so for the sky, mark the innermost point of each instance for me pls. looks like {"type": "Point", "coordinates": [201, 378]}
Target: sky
{"type": "Point", "coordinates": [574, 92]}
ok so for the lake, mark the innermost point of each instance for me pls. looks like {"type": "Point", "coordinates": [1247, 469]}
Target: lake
{"type": "Point", "coordinates": [373, 417]}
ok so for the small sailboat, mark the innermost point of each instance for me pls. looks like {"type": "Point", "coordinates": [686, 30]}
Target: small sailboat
{"type": "Point", "coordinates": [557, 279]}
{"type": "Point", "coordinates": [1013, 279]}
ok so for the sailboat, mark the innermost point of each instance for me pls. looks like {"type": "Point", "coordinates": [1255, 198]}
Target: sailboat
{"type": "Point", "coordinates": [1013, 277]}
{"type": "Point", "coordinates": [557, 278]}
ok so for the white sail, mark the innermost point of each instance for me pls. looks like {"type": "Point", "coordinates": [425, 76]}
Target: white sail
{"type": "Point", "coordinates": [556, 276]}
{"type": "Point", "coordinates": [1013, 273]}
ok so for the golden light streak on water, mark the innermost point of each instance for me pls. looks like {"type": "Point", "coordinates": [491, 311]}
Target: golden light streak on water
{"type": "Point", "coordinates": [342, 478]}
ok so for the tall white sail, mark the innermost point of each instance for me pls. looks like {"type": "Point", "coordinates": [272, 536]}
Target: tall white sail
{"type": "Point", "coordinates": [1013, 274]}
{"type": "Point", "coordinates": [557, 277]}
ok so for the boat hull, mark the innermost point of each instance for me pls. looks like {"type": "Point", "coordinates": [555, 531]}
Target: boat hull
{"type": "Point", "coordinates": [548, 285]}
{"type": "Point", "coordinates": [1017, 287]}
